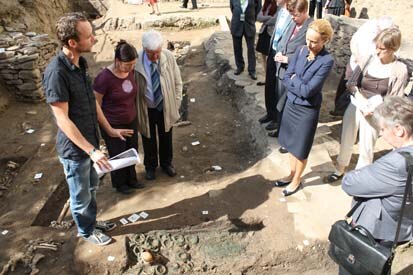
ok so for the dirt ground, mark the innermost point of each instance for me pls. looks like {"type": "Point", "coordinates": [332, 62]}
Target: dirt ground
{"type": "Point", "coordinates": [247, 229]}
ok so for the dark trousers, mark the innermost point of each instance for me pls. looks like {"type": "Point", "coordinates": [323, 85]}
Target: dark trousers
{"type": "Point", "coordinates": [116, 146]}
{"type": "Point", "coordinates": [239, 59]}
{"type": "Point", "coordinates": [150, 146]}
{"type": "Point", "coordinates": [270, 87]}
{"type": "Point", "coordinates": [185, 4]}
{"type": "Point", "coordinates": [281, 98]}
{"type": "Point", "coordinates": [313, 5]}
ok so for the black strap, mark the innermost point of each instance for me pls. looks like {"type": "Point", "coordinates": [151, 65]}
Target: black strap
{"type": "Point", "coordinates": [407, 192]}
{"type": "Point", "coordinates": [350, 213]}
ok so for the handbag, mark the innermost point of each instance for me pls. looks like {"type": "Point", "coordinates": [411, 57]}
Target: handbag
{"type": "Point", "coordinates": [356, 250]}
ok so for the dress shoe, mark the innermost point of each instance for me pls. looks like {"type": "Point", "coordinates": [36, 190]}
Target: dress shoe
{"type": "Point", "coordinates": [150, 174]}
{"type": "Point", "coordinates": [182, 7]}
{"type": "Point", "coordinates": [273, 134]}
{"type": "Point", "coordinates": [253, 75]}
{"type": "Point", "coordinates": [287, 193]}
{"type": "Point", "coordinates": [335, 113]}
{"type": "Point", "coordinates": [169, 170]}
{"type": "Point", "coordinates": [280, 183]}
{"type": "Point", "coordinates": [136, 184]}
{"type": "Point", "coordinates": [124, 189]}
{"type": "Point", "coordinates": [238, 71]}
{"type": "Point", "coordinates": [264, 119]}
{"type": "Point", "coordinates": [283, 150]}
{"type": "Point", "coordinates": [271, 126]}
{"type": "Point", "coordinates": [260, 83]}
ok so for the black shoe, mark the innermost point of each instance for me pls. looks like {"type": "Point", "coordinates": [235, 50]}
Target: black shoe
{"type": "Point", "coordinates": [253, 75]}
{"type": "Point", "coordinates": [169, 170]}
{"type": "Point", "coordinates": [273, 134]}
{"type": "Point", "coordinates": [264, 119]}
{"type": "Point", "coordinates": [335, 113]}
{"type": "Point", "coordinates": [124, 189]}
{"type": "Point", "coordinates": [271, 126]}
{"type": "Point", "coordinates": [150, 174]}
{"type": "Point", "coordinates": [136, 185]}
{"type": "Point", "coordinates": [283, 150]}
{"type": "Point", "coordinates": [194, 8]}
{"type": "Point", "coordinates": [238, 71]}
{"type": "Point", "coordinates": [287, 193]}
{"type": "Point", "coordinates": [182, 7]}
{"type": "Point", "coordinates": [280, 183]}
{"type": "Point", "coordinates": [260, 83]}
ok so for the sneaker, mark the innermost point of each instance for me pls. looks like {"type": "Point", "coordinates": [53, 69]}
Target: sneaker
{"type": "Point", "coordinates": [105, 226]}
{"type": "Point", "coordinates": [98, 238]}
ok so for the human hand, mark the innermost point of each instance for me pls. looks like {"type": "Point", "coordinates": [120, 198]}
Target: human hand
{"type": "Point", "coordinates": [121, 133]}
{"type": "Point", "coordinates": [281, 58]}
{"type": "Point", "coordinates": [100, 159]}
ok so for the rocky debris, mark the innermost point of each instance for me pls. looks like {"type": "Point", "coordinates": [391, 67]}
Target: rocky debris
{"type": "Point", "coordinates": [7, 178]}
{"type": "Point", "coordinates": [30, 258]}
{"type": "Point", "coordinates": [62, 225]}
{"type": "Point", "coordinates": [133, 23]}
{"type": "Point", "coordinates": [23, 58]}
{"type": "Point", "coordinates": [161, 252]}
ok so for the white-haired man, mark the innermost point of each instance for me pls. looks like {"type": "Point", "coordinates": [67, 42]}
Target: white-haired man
{"type": "Point", "coordinates": [159, 97]}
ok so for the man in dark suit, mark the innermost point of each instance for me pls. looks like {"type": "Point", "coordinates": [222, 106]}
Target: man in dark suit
{"type": "Point", "coordinates": [244, 15]}
{"type": "Point", "coordinates": [282, 21]}
{"type": "Point", "coordinates": [291, 40]}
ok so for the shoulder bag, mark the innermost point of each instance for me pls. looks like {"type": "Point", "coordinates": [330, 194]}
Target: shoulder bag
{"type": "Point", "coordinates": [355, 249]}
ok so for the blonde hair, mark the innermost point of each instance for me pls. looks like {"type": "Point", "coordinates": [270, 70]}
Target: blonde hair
{"type": "Point", "coordinates": [390, 38]}
{"type": "Point", "coordinates": [323, 27]}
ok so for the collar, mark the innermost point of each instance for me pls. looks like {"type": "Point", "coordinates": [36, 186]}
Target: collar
{"type": "Point", "coordinates": [66, 61]}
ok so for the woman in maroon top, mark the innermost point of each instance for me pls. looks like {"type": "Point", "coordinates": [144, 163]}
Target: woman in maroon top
{"type": "Point", "coordinates": [115, 90]}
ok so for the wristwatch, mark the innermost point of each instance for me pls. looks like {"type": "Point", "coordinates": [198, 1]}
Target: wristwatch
{"type": "Point", "coordinates": [91, 152]}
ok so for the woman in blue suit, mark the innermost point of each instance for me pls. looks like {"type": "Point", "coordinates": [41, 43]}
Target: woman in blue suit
{"type": "Point", "coordinates": [304, 81]}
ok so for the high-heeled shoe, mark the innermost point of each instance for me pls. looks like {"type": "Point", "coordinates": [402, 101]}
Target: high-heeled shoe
{"type": "Point", "coordinates": [279, 183]}
{"type": "Point", "coordinates": [287, 193]}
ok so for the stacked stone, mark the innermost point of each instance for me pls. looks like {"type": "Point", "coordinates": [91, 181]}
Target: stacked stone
{"type": "Point", "coordinates": [181, 22]}
{"type": "Point", "coordinates": [23, 58]}
{"type": "Point", "coordinates": [339, 46]}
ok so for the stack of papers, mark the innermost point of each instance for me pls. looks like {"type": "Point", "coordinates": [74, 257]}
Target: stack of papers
{"type": "Point", "coordinates": [125, 159]}
{"type": "Point", "coordinates": [368, 105]}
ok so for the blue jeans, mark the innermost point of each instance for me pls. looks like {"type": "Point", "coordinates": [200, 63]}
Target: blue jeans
{"type": "Point", "coordinates": [83, 181]}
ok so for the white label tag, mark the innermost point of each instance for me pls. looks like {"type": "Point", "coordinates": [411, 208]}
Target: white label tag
{"type": "Point", "coordinates": [134, 217]}
{"type": "Point", "coordinates": [123, 221]}
{"type": "Point", "coordinates": [144, 215]}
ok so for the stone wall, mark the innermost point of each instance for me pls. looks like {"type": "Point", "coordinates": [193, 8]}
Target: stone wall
{"type": "Point", "coordinates": [180, 22]}
{"type": "Point", "coordinates": [344, 28]}
{"type": "Point", "coordinates": [23, 58]}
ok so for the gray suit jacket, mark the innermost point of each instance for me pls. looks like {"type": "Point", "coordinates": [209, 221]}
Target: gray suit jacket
{"type": "Point", "coordinates": [276, 18]}
{"type": "Point", "coordinates": [288, 47]}
{"type": "Point", "coordinates": [381, 187]}
{"type": "Point", "coordinates": [247, 27]}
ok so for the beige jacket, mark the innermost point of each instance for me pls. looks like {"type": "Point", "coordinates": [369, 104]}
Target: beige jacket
{"type": "Point", "coordinates": [397, 81]}
{"type": "Point", "coordinates": [171, 86]}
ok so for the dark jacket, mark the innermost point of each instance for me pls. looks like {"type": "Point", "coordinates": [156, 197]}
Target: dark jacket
{"type": "Point", "coordinates": [309, 76]}
{"type": "Point", "coordinates": [247, 27]}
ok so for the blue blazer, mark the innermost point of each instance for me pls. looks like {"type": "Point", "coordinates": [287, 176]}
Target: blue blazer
{"type": "Point", "coordinates": [305, 87]}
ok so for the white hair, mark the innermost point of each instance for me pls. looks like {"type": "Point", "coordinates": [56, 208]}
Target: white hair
{"type": "Point", "coordinates": [385, 22]}
{"type": "Point", "coordinates": [152, 40]}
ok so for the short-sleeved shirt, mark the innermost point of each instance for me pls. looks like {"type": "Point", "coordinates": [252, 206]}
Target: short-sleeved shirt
{"type": "Point", "coordinates": [65, 82]}
{"type": "Point", "coordinates": [119, 96]}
